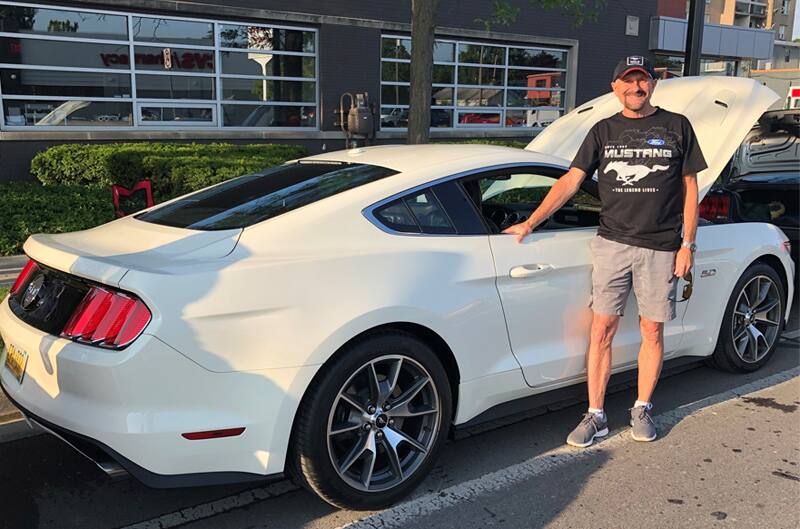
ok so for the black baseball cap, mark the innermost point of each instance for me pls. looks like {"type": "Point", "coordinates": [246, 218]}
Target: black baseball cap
{"type": "Point", "coordinates": [634, 63]}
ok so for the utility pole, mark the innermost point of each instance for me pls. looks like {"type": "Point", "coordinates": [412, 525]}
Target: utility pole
{"type": "Point", "coordinates": [694, 37]}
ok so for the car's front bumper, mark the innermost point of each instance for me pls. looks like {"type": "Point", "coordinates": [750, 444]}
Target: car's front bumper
{"type": "Point", "coordinates": [133, 405]}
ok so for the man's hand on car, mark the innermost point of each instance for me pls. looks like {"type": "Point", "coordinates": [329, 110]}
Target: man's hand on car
{"type": "Point", "coordinates": [519, 230]}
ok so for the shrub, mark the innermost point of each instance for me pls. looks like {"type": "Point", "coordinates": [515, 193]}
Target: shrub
{"type": "Point", "coordinates": [174, 168]}
{"type": "Point", "coordinates": [29, 207]}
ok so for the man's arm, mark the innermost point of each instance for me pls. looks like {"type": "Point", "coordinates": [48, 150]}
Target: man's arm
{"type": "Point", "coordinates": [684, 259]}
{"type": "Point", "coordinates": [562, 190]}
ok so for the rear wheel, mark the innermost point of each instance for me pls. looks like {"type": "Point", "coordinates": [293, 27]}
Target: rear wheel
{"type": "Point", "coordinates": [753, 321]}
{"type": "Point", "coordinates": [370, 428]}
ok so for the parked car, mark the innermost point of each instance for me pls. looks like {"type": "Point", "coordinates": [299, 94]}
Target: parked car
{"type": "Point", "coordinates": [762, 181]}
{"type": "Point", "coordinates": [398, 117]}
{"type": "Point", "coordinates": [335, 317]}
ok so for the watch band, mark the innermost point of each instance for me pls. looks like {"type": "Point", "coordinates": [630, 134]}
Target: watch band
{"type": "Point", "coordinates": [692, 246]}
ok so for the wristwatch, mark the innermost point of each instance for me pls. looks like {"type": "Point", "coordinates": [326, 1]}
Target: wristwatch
{"type": "Point", "coordinates": [692, 246]}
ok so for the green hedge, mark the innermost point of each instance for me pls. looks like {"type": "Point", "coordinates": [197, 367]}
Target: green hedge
{"type": "Point", "coordinates": [174, 168]}
{"type": "Point", "coordinates": [29, 207]}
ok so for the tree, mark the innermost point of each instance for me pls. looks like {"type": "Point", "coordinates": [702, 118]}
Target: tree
{"type": "Point", "coordinates": [423, 25]}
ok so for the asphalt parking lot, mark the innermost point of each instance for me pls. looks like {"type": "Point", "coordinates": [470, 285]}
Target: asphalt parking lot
{"type": "Point", "coordinates": [727, 456]}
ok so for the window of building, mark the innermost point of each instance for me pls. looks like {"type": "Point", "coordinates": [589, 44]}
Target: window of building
{"type": "Point", "coordinates": [476, 85]}
{"type": "Point", "coordinates": [782, 32]}
{"type": "Point", "coordinates": [69, 67]}
{"type": "Point", "coordinates": [785, 7]}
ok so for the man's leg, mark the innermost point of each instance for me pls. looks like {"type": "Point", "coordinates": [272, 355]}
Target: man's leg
{"type": "Point", "coordinates": [651, 357]}
{"type": "Point", "coordinates": [598, 359]}
{"type": "Point", "coordinates": [611, 284]}
{"type": "Point", "coordinates": [598, 367]}
{"type": "Point", "coordinates": [655, 288]}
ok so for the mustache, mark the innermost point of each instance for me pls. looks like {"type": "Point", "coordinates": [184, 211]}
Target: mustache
{"type": "Point", "coordinates": [636, 93]}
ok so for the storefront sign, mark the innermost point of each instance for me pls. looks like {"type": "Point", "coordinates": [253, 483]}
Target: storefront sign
{"type": "Point", "coordinates": [184, 61]}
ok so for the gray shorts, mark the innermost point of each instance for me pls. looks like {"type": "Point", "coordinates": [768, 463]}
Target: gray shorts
{"type": "Point", "coordinates": [617, 267]}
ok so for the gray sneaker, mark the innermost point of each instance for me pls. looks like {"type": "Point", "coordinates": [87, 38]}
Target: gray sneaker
{"type": "Point", "coordinates": [643, 427]}
{"type": "Point", "coordinates": [591, 426]}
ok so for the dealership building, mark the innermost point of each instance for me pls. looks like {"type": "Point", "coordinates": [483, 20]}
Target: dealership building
{"type": "Point", "coordinates": [277, 71]}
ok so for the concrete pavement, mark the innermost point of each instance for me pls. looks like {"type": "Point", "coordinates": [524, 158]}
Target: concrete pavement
{"type": "Point", "coordinates": [10, 267]}
{"type": "Point", "coordinates": [50, 485]}
{"type": "Point", "coordinates": [731, 464]}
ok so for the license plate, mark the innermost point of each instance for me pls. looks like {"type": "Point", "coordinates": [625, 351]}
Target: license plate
{"type": "Point", "coordinates": [16, 360]}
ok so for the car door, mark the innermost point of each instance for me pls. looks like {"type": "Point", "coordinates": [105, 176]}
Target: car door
{"type": "Point", "coordinates": [545, 282]}
{"type": "Point", "coordinates": [445, 233]}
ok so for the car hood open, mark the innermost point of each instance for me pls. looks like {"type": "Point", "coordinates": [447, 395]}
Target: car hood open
{"type": "Point", "coordinates": [722, 110]}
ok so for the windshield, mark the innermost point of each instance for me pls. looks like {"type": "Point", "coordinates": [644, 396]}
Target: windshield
{"type": "Point", "coordinates": [250, 199]}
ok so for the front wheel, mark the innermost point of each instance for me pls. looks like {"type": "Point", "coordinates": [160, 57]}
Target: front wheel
{"type": "Point", "coordinates": [369, 429]}
{"type": "Point", "coordinates": [753, 321]}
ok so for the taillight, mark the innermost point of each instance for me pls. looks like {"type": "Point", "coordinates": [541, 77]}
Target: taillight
{"type": "Point", "coordinates": [30, 268]}
{"type": "Point", "coordinates": [717, 207]}
{"type": "Point", "coordinates": [107, 318]}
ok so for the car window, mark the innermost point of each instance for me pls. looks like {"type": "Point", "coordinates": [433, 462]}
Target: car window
{"type": "Point", "coordinates": [250, 199]}
{"type": "Point", "coordinates": [416, 213]}
{"type": "Point", "coordinates": [509, 198]}
{"type": "Point", "coordinates": [396, 216]}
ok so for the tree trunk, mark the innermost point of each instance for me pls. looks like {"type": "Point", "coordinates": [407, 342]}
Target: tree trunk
{"type": "Point", "coordinates": [422, 25]}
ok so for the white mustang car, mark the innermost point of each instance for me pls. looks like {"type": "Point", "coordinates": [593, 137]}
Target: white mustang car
{"type": "Point", "coordinates": [335, 316]}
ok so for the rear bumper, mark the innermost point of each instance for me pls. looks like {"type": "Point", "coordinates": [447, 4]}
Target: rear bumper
{"type": "Point", "coordinates": [114, 464]}
{"type": "Point", "coordinates": [131, 407]}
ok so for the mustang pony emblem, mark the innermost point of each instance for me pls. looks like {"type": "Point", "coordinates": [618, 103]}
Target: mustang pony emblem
{"type": "Point", "coordinates": [628, 174]}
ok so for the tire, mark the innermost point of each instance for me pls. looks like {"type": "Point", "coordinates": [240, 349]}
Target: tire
{"type": "Point", "coordinates": [344, 449]}
{"type": "Point", "coordinates": [739, 349]}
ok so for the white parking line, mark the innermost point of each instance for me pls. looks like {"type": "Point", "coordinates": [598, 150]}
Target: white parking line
{"type": "Point", "coordinates": [429, 503]}
{"type": "Point", "coordinates": [207, 510]}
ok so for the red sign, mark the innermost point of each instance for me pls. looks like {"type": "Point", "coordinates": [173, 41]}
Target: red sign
{"type": "Point", "coordinates": [795, 92]}
{"type": "Point", "coordinates": [184, 61]}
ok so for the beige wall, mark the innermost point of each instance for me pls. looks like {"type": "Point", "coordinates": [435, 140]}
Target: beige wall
{"type": "Point", "coordinates": [721, 11]}
{"type": "Point", "coordinates": [770, 10]}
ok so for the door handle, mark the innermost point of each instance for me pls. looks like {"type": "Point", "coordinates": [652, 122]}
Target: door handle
{"type": "Point", "coordinates": [523, 271]}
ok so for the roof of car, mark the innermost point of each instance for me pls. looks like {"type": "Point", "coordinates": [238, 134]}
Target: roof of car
{"type": "Point", "coordinates": [435, 157]}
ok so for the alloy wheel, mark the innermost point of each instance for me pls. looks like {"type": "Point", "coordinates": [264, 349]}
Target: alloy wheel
{"type": "Point", "coordinates": [756, 319]}
{"type": "Point", "coordinates": [383, 423]}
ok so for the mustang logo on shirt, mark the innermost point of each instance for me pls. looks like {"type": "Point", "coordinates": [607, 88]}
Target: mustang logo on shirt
{"type": "Point", "coordinates": [628, 174]}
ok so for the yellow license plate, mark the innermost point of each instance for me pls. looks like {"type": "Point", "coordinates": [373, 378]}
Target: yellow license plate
{"type": "Point", "coordinates": [16, 360]}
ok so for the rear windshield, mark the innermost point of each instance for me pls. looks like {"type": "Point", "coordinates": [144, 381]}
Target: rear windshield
{"type": "Point", "coordinates": [249, 199]}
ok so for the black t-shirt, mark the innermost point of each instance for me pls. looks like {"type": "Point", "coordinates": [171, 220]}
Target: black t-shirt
{"type": "Point", "coordinates": [640, 164]}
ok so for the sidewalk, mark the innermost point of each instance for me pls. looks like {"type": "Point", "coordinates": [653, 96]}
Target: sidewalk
{"type": "Point", "coordinates": [732, 458]}
{"type": "Point", "coordinates": [11, 424]}
{"type": "Point", "coordinates": [10, 267]}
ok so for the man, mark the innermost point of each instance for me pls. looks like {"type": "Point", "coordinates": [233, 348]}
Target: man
{"type": "Point", "coordinates": [647, 160]}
